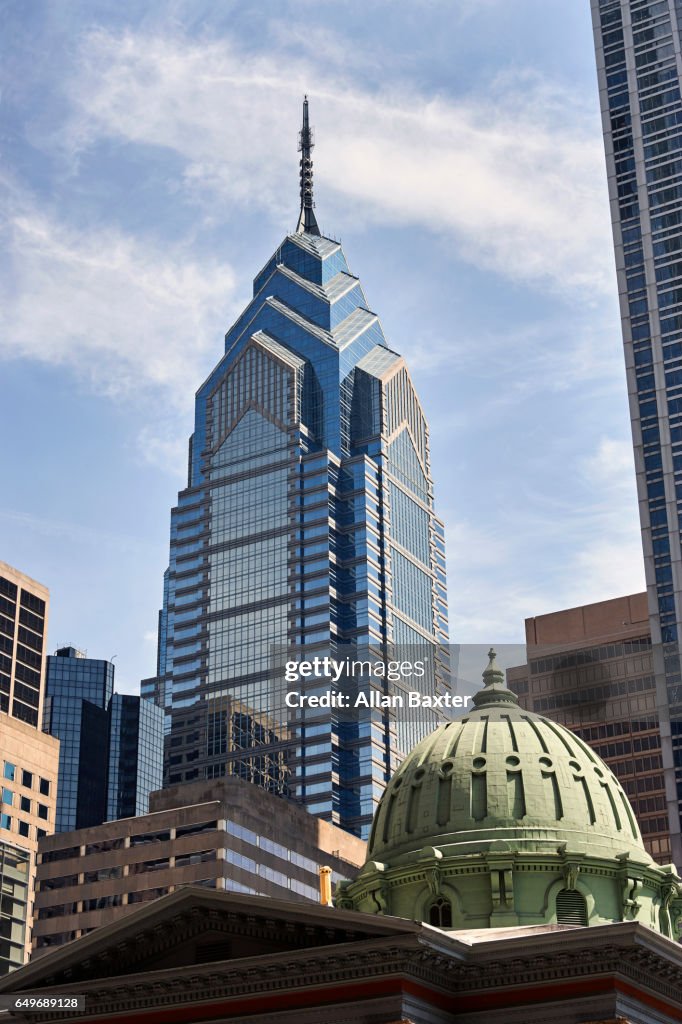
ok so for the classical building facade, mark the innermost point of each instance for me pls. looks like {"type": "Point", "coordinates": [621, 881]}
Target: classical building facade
{"type": "Point", "coordinates": [197, 955]}
{"type": "Point", "coordinates": [591, 668]}
{"type": "Point", "coordinates": [639, 65]}
{"type": "Point", "coordinates": [307, 525]}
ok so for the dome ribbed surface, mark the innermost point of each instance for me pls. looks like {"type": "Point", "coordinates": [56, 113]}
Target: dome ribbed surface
{"type": "Point", "coordinates": [498, 778]}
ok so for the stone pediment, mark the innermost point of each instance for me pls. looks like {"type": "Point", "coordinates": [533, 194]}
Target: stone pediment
{"type": "Point", "coordinates": [315, 963]}
{"type": "Point", "coordinates": [196, 926]}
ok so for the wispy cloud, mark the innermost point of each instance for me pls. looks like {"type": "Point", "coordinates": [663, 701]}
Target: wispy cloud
{"type": "Point", "coordinates": [611, 463]}
{"type": "Point", "coordinates": [513, 176]}
{"type": "Point", "coordinates": [123, 313]}
{"type": "Point", "coordinates": [75, 533]}
{"type": "Point", "coordinates": [612, 557]}
{"type": "Point", "coordinates": [584, 546]}
{"type": "Point", "coordinates": [164, 444]}
{"type": "Point", "coordinates": [531, 353]}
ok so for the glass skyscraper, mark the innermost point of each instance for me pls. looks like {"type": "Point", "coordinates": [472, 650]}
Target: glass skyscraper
{"type": "Point", "coordinates": [77, 695]}
{"type": "Point", "coordinates": [111, 745]}
{"type": "Point", "coordinates": [307, 524]}
{"type": "Point", "coordinates": [639, 64]}
{"type": "Point", "coordinates": [135, 755]}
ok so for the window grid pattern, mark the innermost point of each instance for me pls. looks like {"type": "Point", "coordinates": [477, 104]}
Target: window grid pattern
{"type": "Point", "coordinates": [639, 53]}
{"type": "Point", "coordinates": [282, 535]}
{"type": "Point", "coordinates": [14, 901]}
{"type": "Point", "coordinates": [22, 641]}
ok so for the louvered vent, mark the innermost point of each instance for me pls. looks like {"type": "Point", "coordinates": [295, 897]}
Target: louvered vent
{"type": "Point", "coordinates": [571, 907]}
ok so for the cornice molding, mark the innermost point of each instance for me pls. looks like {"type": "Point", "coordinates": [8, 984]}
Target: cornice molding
{"type": "Point", "coordinates": [410, 958]}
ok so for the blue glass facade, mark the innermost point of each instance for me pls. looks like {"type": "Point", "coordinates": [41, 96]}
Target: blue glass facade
{"type": "Point", "coordinates": [639, 63]}
{"type": "Point", "coordinates": [307, 523]}
{"type": "Point", "coordinates": [77, 695]}
{"type": "Point", "coordinates": [135, 755]}
{"type": "Point", "coordinates": [111, 745]}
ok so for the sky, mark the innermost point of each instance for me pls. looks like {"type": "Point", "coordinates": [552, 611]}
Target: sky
{"type": "Point", "coordinates": [148, 170]}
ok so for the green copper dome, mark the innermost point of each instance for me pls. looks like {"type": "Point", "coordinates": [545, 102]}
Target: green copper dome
{"type": "Point", "coordinates": [503, 775]}
{"type": "Point", "coordinates": [503, 818]}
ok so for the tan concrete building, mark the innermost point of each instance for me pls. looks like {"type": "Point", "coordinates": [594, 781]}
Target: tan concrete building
{"type": "Point", "coordinates": [590, 668]}
{"type": "Point", "coordinates": [29, 758]}
{"type": "Point", "coordinates": [24, 605]}
{"type": "Point", "coordinates": [221, 834]}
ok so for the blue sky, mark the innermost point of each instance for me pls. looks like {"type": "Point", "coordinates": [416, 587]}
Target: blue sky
{"type": "Point", "coordinates": [149, 169]}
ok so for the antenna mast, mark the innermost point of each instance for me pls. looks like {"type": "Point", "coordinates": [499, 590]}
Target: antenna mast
{"type": "Point", "coordinates": [307, 223]}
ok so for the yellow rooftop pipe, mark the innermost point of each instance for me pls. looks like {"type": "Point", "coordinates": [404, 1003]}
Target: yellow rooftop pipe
{"type": "Point", "coordinates": [326, 887]}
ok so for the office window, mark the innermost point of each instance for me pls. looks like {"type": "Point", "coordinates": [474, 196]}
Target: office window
{"type": "Point", "coordinates": [42, 811]}
{"type": "Point", "coordinates": [27, 779]}
{"type": "Point", "coordinates": [24, 829]}
{"type": "Point", "coordinates": [10, 771]}
{"type": "Point", "coordinates": [7, 796]}
{"type": "Point", "coordinates": [45, 787]}
{"type": "Point", "coordinates": [25, 805]}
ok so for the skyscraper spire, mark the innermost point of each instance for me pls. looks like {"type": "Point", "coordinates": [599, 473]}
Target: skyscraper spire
{"type": "Point", "coordinates": [306, 221]}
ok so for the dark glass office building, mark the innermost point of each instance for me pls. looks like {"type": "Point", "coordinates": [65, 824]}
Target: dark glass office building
{"type": "Point", "coordinates": [111, 745]}
{"type": "Point", "coordinates": [135, 755]}
{"type": "Point", "coordinates": [639, 64]}
{"type": "Point", "coordinates": [78, 691]}
{"type": "Point", "coordinates": [308, 522]}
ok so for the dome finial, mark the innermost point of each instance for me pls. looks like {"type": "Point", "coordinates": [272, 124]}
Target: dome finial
{"type": "Point", "coordinates": [495, 690]}
{"type": "Point", "coordinates": [307, 224]}
{"type": "Point", "coordinates": [493, 674]}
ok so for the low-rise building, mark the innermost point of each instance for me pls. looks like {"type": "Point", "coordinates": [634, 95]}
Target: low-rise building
{"type": "Point", "coordinates": [222, 834]}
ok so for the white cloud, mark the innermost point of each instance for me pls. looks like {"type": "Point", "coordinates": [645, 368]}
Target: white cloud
{"type": "Point", "coordinates": [125, 314]}
{"type": "Point", "coordinates": [612, 568]}
{"type": "Point", "coordinates": [613, 462]}
{"type": "Point", "coordinates": [485, 605]}
{"type": "Point", "coordinates": [514, 177]}
{"type": "Point", "coordinates": [583, 546]}
{"type": "Point", "coordinates": [611, 562]}
{"type": "Point", "coordinates": [74, 534]}
{"type": "Point", "coordinates": [164, 444]}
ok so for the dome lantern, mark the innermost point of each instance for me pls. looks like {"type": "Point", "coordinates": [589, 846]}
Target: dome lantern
{"type": "Point", "coordinates": [495, 690]}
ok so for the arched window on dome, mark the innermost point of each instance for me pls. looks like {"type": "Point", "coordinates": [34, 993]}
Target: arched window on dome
{"type": "Point", "coordinates": [571, 907]}
{"type": "Point", "coordinates": [440, 913]}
